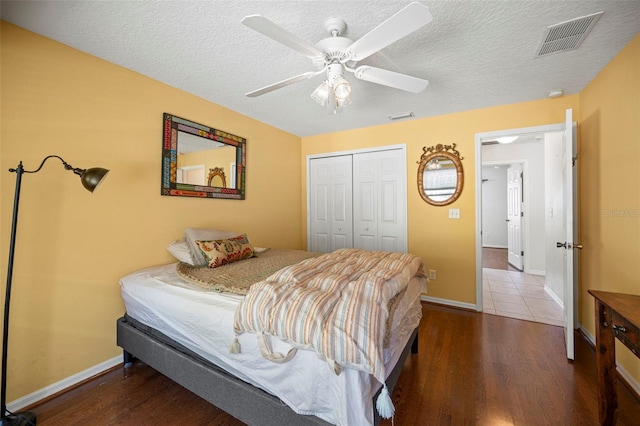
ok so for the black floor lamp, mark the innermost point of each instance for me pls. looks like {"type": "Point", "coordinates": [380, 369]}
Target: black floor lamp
{"type": "Point", "coordinates": [90, 178]}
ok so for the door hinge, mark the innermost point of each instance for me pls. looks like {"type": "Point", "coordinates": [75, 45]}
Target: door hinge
{"type": "Point", "coordinates": [521, 253]}
{"type": "Point", "coordinates": [521, 214]}
{"type": "Point", "coordinates": [573, 160]}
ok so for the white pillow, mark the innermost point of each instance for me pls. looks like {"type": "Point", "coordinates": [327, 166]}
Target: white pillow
{"type": "Point", "coordinates": [180, 250]}
{"type": "Point", "coordinates": [191, 235]}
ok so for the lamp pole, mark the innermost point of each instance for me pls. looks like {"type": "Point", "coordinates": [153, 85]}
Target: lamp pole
{"type": "Point", "coordinates": [90, 178]}
{"type": "Point", "coordinates": [28, 417]}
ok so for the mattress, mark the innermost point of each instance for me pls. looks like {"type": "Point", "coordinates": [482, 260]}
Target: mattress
{"type": "Point", "coordinates": [202, 321]}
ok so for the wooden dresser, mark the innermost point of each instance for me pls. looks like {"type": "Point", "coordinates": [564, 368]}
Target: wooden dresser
{"type": "Point", "coordinates": [617, 315]}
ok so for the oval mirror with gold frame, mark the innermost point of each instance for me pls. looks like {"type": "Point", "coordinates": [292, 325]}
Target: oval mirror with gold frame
{"type": "Point", "coordinates": [440, 174]}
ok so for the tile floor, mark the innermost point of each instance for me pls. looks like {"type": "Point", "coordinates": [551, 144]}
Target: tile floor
{"type": "Point", "coordinates": [519, 295]}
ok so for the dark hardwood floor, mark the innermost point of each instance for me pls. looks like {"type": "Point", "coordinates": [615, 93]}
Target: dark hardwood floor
{"type": "Point", "coordinates": [471, 369]}
{"type": "Point", "coordinates": [496, 258]}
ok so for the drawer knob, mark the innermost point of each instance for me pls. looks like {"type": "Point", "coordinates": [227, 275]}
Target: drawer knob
{"type": "Point", "coordinates": [619, 328]}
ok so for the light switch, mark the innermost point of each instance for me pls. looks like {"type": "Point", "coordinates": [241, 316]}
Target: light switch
{"type": "Point", "coordinates": [454, 213]}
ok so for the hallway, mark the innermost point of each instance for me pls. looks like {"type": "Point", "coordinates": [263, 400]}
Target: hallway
{"type": "Point", "coordinates": [510, 293]}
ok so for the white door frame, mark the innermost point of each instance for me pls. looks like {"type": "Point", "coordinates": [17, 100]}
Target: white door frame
{"type": "Point", "coordinates": [549, 128]}
{"type": "Point", "coordinates": [402, 147]}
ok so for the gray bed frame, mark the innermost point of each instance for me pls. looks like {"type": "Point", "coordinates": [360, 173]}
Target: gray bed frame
{"type": "Point", "coordinates": [243, 401]}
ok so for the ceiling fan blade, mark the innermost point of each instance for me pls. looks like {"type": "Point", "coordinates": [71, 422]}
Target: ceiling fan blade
{"type": "Point", "coordinates": [268, 28]}
{"type": "Point", "coordinates": [281, 84]}
{"type": "Point", "coordinates": [391, 79]}
{"type": "Point", "coordinates": [403, 23]}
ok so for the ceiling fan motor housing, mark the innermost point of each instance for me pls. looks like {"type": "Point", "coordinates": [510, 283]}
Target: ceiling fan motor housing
{"type": "Point", "coordinates": [334, 49]}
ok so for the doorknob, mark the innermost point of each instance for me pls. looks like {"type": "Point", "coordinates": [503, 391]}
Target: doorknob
{"type": "Point", "coordinates": [568, 246]}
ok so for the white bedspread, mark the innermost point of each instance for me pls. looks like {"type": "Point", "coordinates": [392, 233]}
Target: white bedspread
{"type": "Point", "coordinates": [202, 321]}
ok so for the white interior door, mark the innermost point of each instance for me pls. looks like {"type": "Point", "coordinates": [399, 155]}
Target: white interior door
{"type": "Point", "coordinates": [330, 203]}
{"type": "Point", "coordinates": [514, 215]}
{"type": "Point", "coordinates": [570, 199]}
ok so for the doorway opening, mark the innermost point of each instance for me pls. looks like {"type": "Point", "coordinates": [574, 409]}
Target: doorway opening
{"type": "Point", "coordinates": [514, 226]}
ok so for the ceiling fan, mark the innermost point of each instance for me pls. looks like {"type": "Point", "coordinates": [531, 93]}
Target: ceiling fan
{"type": "Point", "coordinates": [336, 54]}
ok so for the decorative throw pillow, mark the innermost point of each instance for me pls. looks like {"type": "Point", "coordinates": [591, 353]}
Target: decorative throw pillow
{"type": "Point", "coordinates": [191, 235]}
{"type": "Point", "coordinates": [221, 252]}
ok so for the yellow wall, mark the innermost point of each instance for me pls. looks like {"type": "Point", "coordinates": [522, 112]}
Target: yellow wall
{"type": "Point", "coordinates": [610, 186]}
{"type": "Point", "coordinates": [446, 245]}
{"type": "Point", "coordinates": [73, 246]}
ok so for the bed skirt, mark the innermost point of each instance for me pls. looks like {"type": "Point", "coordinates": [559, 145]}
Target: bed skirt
{"type": "Point", "coordinates": [243, 401]}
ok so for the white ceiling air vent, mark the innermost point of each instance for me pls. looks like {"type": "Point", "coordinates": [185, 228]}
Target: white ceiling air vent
{"type": "Point", "coordinates": [567, 35]}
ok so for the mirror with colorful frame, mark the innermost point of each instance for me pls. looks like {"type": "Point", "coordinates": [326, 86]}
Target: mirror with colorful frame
{"type": "Point", "coordinates": [200, 161]}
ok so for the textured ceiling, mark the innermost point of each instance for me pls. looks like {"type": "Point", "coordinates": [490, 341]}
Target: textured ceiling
{"type": "Point", "coordinates": [475, 54]}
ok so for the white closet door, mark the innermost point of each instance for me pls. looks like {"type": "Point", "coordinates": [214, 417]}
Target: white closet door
{"type": "Point", "coordinates": [330, 203]}
{"type": "Point", "coordinates": [380, 200]}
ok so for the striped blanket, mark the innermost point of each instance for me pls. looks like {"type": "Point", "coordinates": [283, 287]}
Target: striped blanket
{"type": "Point", "coordinates": [335, 304]}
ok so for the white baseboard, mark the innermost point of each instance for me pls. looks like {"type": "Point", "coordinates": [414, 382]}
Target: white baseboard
{"type": "Point", "coordinates": [63, 384]}
{"type": "Point", "coordinates": [541, 272]}
{"type": "Point", "coordinates": [554, 296]}
{"type": "Point", "coordinates": [588, 335]}
{"type": "Point", "coordinates": [494, 246]}
{"type": "Point", "coordinates": [625, 375]}
{"type": "Point", "coordinates": [448, 302]}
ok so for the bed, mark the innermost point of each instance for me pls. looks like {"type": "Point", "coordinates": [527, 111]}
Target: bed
{"type": "Point", "coordinates": [180, 326]}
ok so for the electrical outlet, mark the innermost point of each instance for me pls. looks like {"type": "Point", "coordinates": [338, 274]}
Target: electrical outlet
{"type": "Point", "coordinates": [454, 213]}
{"type": "Point", "coordinates": [432, 274]}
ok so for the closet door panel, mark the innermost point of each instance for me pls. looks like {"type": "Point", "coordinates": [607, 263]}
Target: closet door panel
{"type": "Point", "coordinates": [389, 238]}
{"type": "Point", "coordinates": [330, 204]}
{"type": "Point", "coordinates": [364, 204]}
{"type": "Point", "coordinates": [341, 217]}
{"type": "Point", "coordinates": [392, 226]}
{"type": "Point", "coordinates": [380, 212]}
{"type": "Point", "coordinates": [322, 225]}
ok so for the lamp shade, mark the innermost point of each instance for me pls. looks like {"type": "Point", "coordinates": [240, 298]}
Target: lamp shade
{"type": "Point", "coordinates": [91, 178]}
{"type": "Point", "coordinates": [342, 88]}
{"type": "Point", "coordinates": [321, 93]}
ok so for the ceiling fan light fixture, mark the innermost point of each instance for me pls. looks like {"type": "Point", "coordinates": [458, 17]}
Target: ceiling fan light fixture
{"type": "Point", "coordinates": [434, 164]}
{"type": "Point", "coordinates": [321, 93]}
{"type": "Point", "coordinates": [506, 139]}
{"type": "Point", "coordinates": [342, 88]}
{"type": "Point", "coordinates": [342, 102]}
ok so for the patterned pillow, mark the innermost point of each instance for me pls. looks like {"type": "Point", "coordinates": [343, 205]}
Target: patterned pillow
{"type": "Point", "coordinates": [221, 252]}
{"type": "Point", "coordinates": [191, 235]}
